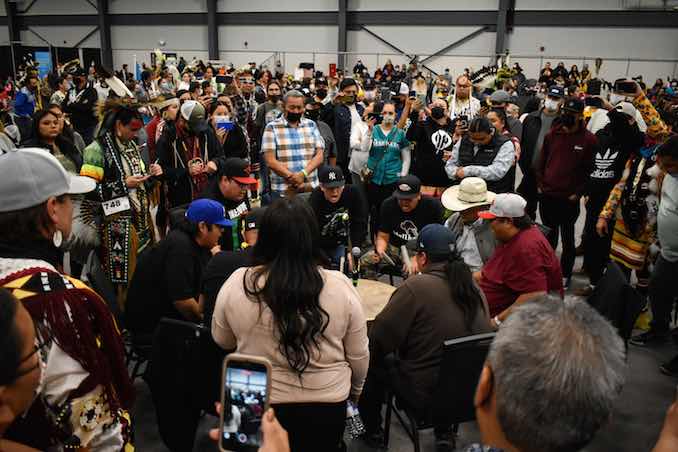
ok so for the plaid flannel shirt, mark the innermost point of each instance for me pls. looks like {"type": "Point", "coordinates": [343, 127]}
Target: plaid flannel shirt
{"type": "Point", "coordinates": [293, 146]}
{"type": "Point", "coordinates": [244, 109]}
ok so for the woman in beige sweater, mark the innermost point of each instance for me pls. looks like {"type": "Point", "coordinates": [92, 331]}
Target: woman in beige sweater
{"type": "Point", "coordinates": [306, 320]}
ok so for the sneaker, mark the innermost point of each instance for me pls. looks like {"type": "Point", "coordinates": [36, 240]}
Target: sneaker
{"type": "Point", "coordinates": [649, 339]}
{"type": "Point", "coordinates": [446, 443]}
{"type": "Point", "coordinates": [375, 439]}
{"type": "Point", "coordinates": [670, 368]}
{"type": "Point", "coordinates": [585, 291]}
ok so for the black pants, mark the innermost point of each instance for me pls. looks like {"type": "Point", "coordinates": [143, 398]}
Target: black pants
{"type": "Point", "coordinates": [376, 194]}
{"type": "Point", "coordinates": [313, 427]}
{"type": "Point", "coordinates": [596, 248]}
{"type": "Point", "coordinates": [560, 215]}
{"type": "Point", "coordinates": [663, 291]}
{"type": "Point", "coordinates": [528, 190]}
{"type": "Point", "coordinates": [384, 377]}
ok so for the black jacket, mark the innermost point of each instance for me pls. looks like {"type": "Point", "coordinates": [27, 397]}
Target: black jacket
{"type": "Point", "coordinates": [338, 117]}
{"type": "Point", "coordinates": [66, 147]}
{"type": "Point", "coordinates": [174, 163]}
{"type": "Point", "coordinates": [82, 109]}
{"type": "Point", "coordinates": [528, 141]}
{"type": "Point", "coordinates": [610, 161]}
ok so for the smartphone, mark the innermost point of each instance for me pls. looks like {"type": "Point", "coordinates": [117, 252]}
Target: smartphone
{"type": "Point", "coordinates": [412, 93]}
{"type": "Point", "coordinates": [625, 87]}
{"type": "Point", "coordinates": [463, 121]}
{"type": "Point", "coordinates": [225, 79]}
{"type": "Point", "coordinates": [376, 116]}
{"type": "Point", "coordinates": [223, 122]}
{"type": "Point", "coordinates": [591, 101]}
{"type": "Point", "coordinates": [245, 393]}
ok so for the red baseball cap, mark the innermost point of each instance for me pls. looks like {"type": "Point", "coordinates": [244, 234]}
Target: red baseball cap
{"type": "Point", "coordinates": [238, 170]}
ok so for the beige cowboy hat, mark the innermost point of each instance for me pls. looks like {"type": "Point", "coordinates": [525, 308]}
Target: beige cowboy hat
{"type": "Point", "coordinates": [471, 192]}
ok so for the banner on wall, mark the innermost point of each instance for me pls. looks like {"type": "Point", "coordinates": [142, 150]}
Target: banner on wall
{"type": "Point", "coordinates": [44, 60]}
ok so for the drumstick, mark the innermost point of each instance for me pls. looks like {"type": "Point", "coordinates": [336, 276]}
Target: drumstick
{"type": "Point", "coordinates": [406, 258]}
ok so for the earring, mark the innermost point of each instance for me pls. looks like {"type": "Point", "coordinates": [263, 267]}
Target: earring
{"type": "Point", "coordinates": [57, 238]}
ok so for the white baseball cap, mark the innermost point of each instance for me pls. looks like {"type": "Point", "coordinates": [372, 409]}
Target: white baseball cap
{"type": "Point", "coordinates": [505, 205]}
{"type": "Point", "coordinates": [30, 176]}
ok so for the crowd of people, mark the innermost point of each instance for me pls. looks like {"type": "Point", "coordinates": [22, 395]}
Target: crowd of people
{"type": "Point", "coordinates": [244, 200]}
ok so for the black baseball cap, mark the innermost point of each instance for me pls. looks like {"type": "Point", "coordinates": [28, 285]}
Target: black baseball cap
{"type": "Point", "coordinates": [237, 169]}
{"type": "Point", "coordinates": [555, 91]}
{"type": "Point", "coordinates": [311, 101]}
{"type": "Point", "coordinates": [435, 240]}
{"type": "Point", "coordinates": [408, 187]}
{"type": "Point", "coordinates": [331, 177]}
{"type": "Point", "coordinates": [574, 104]}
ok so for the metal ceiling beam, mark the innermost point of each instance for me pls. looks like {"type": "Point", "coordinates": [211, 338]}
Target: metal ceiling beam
{"type": "Point", "coordinates": [343, 34]}
{"type": "Point", "coordinates": [456, 43]}
{"type": "Point", "coordinates": [86, 37]}
{"type": "Point", "coordinates": [105, 34]}
{"type": "Point", "coordinates": [402, 52]}
{"type": "Point", "coordinates": [14, 31]}
{"type": "Point", "coordinates": [212, 30]}
{"type": "Point", "coordinates": [502, 23]}
{"type": "Point", "coordinates": [356, 19]}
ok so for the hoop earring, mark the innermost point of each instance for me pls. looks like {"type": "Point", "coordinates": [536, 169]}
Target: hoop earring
{"type": "Point", "coordinates": [57, 238]}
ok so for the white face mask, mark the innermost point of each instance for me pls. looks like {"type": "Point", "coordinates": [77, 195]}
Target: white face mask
{"type": "Point", "coordinates": [551, 105]}
{"type": "Point", "coordinates": [616, 98]}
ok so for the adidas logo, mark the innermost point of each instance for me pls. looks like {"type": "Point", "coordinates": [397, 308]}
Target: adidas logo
{"type": "Point", "coordinates": [606, 160]}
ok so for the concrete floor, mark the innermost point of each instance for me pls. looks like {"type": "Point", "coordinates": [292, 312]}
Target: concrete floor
{"type": "Point", "coordinates": [634, 426]}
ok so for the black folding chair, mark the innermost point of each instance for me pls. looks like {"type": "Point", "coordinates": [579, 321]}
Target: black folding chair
{"type": "Point", "coordinates": [460, 368]}
{"type": "Point", "coordinates": [616, 300]}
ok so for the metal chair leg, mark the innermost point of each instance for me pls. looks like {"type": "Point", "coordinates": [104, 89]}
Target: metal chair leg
{"type": "Point", "coordinates": [415, 432]}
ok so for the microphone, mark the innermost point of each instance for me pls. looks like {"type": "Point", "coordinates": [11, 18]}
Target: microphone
{"type": "Point", "coordinates": [355, 274]}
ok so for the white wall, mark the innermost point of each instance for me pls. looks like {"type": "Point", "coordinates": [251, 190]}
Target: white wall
{"type": "Point", "coordinates": [150, 6]}
{"type": "Point", "coordinates": [128, 41]}
{"type": "Point", "coordinates": [427, 5]}
{"type": "Point", "coordinates": [233, 6]}
{"type": "Point", "coordinates": [4, 36]}
{"type": "Point", "coordinates": [605, 43]}
{"type": "Point", "coordinates": [584, 5]}
{"type": "Point", "coordinates": [60, 36]}
{"type": "Point", "coordinates": [62, 7]}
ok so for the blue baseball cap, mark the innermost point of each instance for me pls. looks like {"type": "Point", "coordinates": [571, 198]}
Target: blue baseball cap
{"type": "Point", "coordinates": [209, 211]}
{"type": "Point", "coordinates": [436, 240]}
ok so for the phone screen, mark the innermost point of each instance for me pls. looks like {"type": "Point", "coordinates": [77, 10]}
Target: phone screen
{"type": "Point", "coordinates": [625, 87]}
{"type": "Point", "coordinates": [244, 401]}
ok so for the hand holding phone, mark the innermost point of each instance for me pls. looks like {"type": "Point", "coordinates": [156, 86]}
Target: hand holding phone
{"type": "Point", "coordinates": [246, 388]}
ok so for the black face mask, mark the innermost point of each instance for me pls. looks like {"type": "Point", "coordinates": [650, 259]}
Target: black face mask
{"type": "Point", "coordinates": [568, 120]}
{"type": "Point", "coordinates": [293, 117]}
{"type": "Point", "coordinates": [321, 93]}
{"type": "Point", "coordinates": [437, 113]}
{"type": "Point", "coordinates": [274, 98]}
{"type": "Point", "coordinates": [313, 114]}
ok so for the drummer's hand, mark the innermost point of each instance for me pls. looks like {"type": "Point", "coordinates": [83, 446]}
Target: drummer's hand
{"type": "Point", "coordinates": [413, 268]}
{"type": "Point", "coordinates": [377, 256]}
{"type": "Point", "coordinates": [477, 276]}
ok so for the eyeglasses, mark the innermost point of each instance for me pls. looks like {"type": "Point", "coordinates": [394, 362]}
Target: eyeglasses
{"type": "Point", "coordinates": [39, 346]}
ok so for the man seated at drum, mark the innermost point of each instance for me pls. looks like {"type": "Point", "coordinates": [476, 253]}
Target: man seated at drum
{"type": "Point", "coordinates": [401, 218]}
{"type": "Point", "coordinates": [341, 213]}
{"type": "Point", "coordinates": [475, 240]}
{"type": "Point", "coordinates": [439, 304]}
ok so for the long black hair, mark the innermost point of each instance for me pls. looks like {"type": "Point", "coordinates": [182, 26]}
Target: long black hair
{"type": "Point", "coordinates": [464, 290]}
{"type": "Point", "coordinates": [10, 340]}
{"type": "Point", "coordinates": [287, 256]}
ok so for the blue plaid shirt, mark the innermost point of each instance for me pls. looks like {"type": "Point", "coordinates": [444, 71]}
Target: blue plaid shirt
{"type": "Point", "coordinates": [294, 147]}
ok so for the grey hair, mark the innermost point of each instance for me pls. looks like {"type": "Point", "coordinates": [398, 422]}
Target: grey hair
{"type": "Point", "coordinates": [558, 368]}
{"type": "Point", "coordinates": [292, 93]}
